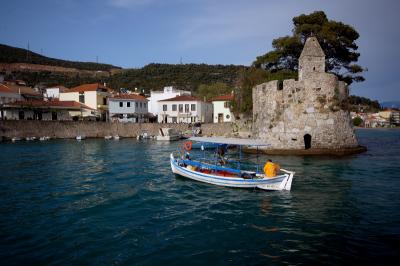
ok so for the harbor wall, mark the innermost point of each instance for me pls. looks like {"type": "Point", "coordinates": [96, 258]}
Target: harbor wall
{"type": "Point", "coordinates": [70, 129]}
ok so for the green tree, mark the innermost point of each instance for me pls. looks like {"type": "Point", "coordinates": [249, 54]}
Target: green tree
{"type": "Point", "coordinates": [336, 39]}
{"type": "Point", "coordinates": [357, 121]}
{"type": "Point", "coordinates": [248, 79]}
{"type": "Point", "coordinates": [210, 91]}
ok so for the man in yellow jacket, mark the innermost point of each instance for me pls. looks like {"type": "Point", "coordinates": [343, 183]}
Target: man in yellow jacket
{"type": "Point", "coordinates": [271, 169]}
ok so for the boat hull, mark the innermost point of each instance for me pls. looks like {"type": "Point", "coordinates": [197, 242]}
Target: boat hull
{"type": "Point", "coordinates": [282, 182]}
{"type": "Point", "coordinates": [168, 138]}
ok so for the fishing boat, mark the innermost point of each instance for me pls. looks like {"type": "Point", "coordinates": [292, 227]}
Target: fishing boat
{"type": "Point", "coordinates": [220, 174]}
{"type": "Point", "coordinates": [168, 134]}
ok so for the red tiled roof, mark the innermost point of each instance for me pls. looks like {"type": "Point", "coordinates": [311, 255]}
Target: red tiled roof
{"type": "Point", "coordinates": [4, 88]}
{"type": "Point", "coordinates": [226, 97]}
{"type": "Point", "coordinates": [49, 104]}
{"type": "Point", "coordinates": [23, 89]}
{"type": "Point", "coordinates": [130, 96]}
{"type": "Point", "coordinates": [181, 98]}
{"type": "Point", "coordinates": [89, 87]}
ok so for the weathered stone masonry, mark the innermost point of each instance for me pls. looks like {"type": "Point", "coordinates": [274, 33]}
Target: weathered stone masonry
{"type": "Point", "coordinates": [305, 113]}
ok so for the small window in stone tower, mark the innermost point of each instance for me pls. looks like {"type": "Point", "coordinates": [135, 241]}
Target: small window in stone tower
{"type": "Point", "coordinates": [280, 85]}
{"type": "Point", "coordinates": [313, 68]}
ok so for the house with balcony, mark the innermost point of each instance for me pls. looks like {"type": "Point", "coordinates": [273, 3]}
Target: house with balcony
{"type": "Point", "coordinates": [184, 109]}
{"type": "Point", "coordinates": [92, 95]}
{"type": "Point", "coordinates": [128, 108]}
{"type": "Point", "coordinates": [167, 93]}
{"type": "Point", "coordinates": [222, 108]}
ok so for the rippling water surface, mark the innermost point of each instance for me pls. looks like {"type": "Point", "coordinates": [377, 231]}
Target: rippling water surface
{"type": "Point", "coordinates": [117, 202]}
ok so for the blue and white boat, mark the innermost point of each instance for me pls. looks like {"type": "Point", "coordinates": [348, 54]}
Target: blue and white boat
{"type": "Point", "coordinates": [222, 175]}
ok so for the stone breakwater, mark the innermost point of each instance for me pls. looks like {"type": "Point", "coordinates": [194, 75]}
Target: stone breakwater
{"type": "Point", "coordinates": [71, 129]}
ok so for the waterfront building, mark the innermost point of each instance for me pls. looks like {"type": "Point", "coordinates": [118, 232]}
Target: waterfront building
{"type": "Point", "coordinates": [54, 92]}
{"type": "Point", "coordinates": [375, 120]}
{"type": "Point", "coordinates": [128, 108]}
{"type": "Point", "coordinates": [395, 118]}
{"type": "Point", "coordinates": [167, 93]}
{"type": "Point", "coordinates": [42, 110]}
{"type": "Point", "coordinates": [222, 108]}
{"type": "Point", "coordinates": [26, 93]}
{"type": "Point", "coordinates": [92, 95]}
{"type": "Point", "coordinates": [184, 109]}
{"type": "Point", "coordinates": [7, 95]}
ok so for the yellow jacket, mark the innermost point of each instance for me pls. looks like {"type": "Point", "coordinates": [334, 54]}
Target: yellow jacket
{"type": "Point", "coordinates": [271, 169]}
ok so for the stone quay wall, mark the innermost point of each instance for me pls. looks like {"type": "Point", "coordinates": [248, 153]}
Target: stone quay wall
{"type": "Point", "coordinates": [71, 129]}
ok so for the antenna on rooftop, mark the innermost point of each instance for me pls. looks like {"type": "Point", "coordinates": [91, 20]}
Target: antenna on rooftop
{"type": "Point", "coordinates": [97, 59]}
{"type": "Point", "coordinates": [181, 61]}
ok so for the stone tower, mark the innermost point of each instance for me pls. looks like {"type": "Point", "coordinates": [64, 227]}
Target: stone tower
{"type": "Point", "coordinates": [306, 113]}
{"type": "Point", "coordinates": [312, 58]}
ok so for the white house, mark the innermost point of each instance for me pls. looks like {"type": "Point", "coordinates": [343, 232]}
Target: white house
{"type": "Point", "coordinates": [93, 95]}
{"type": "Point", "coordinates": [167, 93]}
{"type": "Point", "coordinates": [184, 109]}
{"type": "Point", "coordinates": [222, 108]}
{"type": "Point", "coordinates": [54, 92]}
{"type": "Point", "coordinates": [128, 108]}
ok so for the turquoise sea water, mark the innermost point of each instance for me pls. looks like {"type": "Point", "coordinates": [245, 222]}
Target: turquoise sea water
{"type": "Point", "coordinates": [117, 202]}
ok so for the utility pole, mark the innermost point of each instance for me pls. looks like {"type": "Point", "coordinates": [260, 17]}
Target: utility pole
{"type": "Point", "coordinates": [28, 56]}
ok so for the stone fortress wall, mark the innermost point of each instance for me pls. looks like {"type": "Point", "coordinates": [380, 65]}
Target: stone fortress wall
{"type": "Point", "coordinates": [306, 113]}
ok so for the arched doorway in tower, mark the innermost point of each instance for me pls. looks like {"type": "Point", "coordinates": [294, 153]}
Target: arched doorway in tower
{"type": "Point", "coordinates": [307, 141]}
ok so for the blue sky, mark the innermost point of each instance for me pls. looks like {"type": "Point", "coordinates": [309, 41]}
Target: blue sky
{"type": "Point", "coordinates": [133, 33]}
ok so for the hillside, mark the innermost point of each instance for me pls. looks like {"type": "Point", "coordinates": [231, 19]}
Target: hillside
{"type": "Point", "coordinates": [9, 54]}
{"type": "Point", "coordinates": [362, 104]}
{"type": "Point", "coordinates": [36, 69]}
{"type": "Point", "coordinates": [186, 76]}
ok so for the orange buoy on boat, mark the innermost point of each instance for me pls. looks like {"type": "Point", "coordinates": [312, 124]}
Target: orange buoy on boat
{"type": "Point", "coordinates": [187, 145]}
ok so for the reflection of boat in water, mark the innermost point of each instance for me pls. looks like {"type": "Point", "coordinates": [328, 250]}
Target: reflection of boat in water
{"type": "Point", "coordinates": [168, 134]}
{"type": "Point", "coordinates": [216, 173]}
{"type": "Point", "coordinates": [80, 137]}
